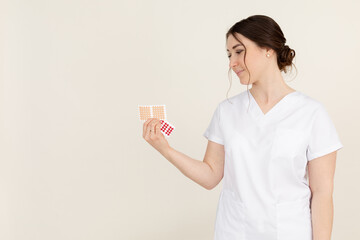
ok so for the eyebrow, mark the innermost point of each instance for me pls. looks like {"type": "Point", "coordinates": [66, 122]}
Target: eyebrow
{"type": "Point", "coordinates": [235, 46]}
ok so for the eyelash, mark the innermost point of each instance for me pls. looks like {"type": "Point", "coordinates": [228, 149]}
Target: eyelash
{"type": "Point", "coordinates": [236, 52]}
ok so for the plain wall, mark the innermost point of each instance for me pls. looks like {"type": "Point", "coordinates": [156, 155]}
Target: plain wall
{"type": "Point", "coordinates": [73, 163]}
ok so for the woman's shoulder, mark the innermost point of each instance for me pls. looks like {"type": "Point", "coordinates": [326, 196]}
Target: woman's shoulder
{"type": "Point", "coordinates": [310, 103]}
{"type": "Point", "coordinates": [236, 99]}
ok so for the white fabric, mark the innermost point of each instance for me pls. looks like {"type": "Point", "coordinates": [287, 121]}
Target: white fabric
{"type": "Point", "coordinates": [266, 194]}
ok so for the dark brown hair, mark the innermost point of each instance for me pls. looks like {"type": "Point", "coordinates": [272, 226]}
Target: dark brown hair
{"type": "Point", "coordinates": [265, 32]}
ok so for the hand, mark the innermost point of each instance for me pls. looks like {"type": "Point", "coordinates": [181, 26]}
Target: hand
{"type": "Point", "coordinates": [153, 135]}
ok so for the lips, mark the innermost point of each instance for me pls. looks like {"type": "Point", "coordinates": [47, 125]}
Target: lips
{"type": "Point", "coordinates": [239, 71]}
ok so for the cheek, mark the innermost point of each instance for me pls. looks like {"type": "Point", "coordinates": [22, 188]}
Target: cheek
{"type": "Point", "coordinates": [249, 61]}
{"type": "Point", "coordinates": [256, 65]}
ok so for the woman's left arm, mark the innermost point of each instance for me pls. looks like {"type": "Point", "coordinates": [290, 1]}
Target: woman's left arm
{"type": "Point", "coordinates": [321, 181]}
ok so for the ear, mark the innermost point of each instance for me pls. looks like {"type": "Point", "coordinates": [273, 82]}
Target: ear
{"type": "Point", "coordinates": [269, 50]}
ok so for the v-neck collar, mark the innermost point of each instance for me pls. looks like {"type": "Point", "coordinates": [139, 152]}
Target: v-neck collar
{"type": "Point", "coordinates": [258, 113]}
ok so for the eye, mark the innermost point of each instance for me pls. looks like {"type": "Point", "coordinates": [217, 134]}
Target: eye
{"type": "Point", "coordinates": [236, 52]}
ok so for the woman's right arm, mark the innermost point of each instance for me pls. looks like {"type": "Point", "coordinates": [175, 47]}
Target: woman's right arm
{"type": "Point", "coordinates": [207, 173]}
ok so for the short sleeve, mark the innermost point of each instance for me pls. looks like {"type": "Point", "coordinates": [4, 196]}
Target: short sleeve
{"type": "Point", "coordinates": [323, 136]}
{"type": "Point", "coordinates": [213, 132]}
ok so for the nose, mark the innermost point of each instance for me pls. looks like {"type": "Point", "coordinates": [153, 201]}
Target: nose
{"type": "Point", "coordinates": [233, 63]}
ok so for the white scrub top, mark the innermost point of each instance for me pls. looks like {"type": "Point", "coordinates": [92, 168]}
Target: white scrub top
{"type": "Point", "coordinates": [265, 193]}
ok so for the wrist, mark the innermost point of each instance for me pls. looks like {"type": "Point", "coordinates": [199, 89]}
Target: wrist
{"type": "Point", "coordinates": [167, 152]}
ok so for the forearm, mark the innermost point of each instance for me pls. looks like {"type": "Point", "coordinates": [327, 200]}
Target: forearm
{"type": "Point", "coordinates": [198, 171]}
{"type": "Point", "coordinates": [322, 215]}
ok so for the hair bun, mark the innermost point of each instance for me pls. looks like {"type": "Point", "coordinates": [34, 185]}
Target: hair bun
{"type": "Point", "coordinates": [285, 49]}
{"type": "Point", "coordinates": [286, 56]}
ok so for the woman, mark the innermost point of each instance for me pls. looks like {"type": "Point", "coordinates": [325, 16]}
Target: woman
{"type": "Point", "coordinates": [275, 147]}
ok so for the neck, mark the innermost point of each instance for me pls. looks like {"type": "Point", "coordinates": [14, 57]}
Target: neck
{"type": "Point", "coordinates": [270, 88]}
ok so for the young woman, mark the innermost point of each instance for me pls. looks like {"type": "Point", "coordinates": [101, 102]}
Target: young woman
{"type": "Point", "coordinates": [274, 147]}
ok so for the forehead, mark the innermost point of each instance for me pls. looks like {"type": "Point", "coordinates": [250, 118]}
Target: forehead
{"type": "Point", "coordinates": [232, 43]}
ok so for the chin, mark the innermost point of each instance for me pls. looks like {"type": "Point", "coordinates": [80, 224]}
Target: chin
{"type": "Point", "coordinates": [244, 82]}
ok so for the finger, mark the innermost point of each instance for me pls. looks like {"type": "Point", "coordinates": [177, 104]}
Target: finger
{"type": "Point", "coordinates": [144, 126]}
{"type": "Point", "coordinates": [156, 124]}
{"type": "Point", "coordinates": [157, 128]}
{"type": "Point", "coordinates": [150, 128]}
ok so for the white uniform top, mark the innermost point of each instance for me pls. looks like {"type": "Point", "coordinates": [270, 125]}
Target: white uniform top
{"type": "Point", "coordinates": [266, 194]}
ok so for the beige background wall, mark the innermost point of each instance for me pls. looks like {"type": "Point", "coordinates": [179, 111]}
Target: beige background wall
{"type": "Point", "coordinates": [73, 163]}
